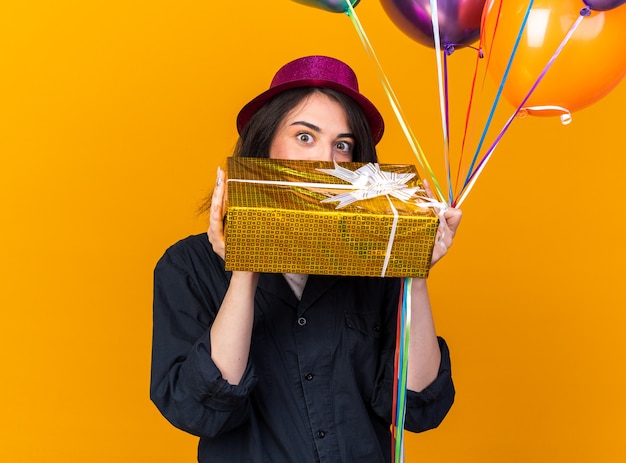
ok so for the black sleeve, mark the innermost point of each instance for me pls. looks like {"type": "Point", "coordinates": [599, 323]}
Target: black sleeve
{"type": "Point", "coordinates": [427, 409]}
{"type": "Point", "coordinates": [186, 385]}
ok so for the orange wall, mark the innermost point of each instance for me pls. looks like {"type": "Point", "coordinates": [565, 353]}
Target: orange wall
{"type": "Point", "coordinates": [113, 119]}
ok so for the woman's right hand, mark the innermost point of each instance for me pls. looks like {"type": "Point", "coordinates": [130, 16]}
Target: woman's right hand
{"type": "Point", "coordinates": [216, 215]}
{"type": "Point", "coordinates": [231, 331]}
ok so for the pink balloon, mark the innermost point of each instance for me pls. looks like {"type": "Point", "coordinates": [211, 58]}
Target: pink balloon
{"type": "Point", "coordinates": [458, 20]}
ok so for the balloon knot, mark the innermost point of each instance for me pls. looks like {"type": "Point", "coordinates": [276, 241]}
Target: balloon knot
{"type": "Point", "coordinates": [586, 11]}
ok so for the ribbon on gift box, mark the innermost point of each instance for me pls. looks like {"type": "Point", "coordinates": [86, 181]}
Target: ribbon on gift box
{"type": "Point", "coordinates": [367, 182]}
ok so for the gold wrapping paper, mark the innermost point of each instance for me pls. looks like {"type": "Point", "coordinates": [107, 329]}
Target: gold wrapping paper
{"type": "Point", "coordinates": [287, 229]}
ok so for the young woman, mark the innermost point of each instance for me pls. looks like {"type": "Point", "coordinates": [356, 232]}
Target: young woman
{"type": "Point", "coordinates": [293, 368]}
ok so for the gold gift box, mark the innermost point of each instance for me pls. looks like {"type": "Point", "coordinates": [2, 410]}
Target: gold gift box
{"type": "Point", "coordinates": [286, 228]}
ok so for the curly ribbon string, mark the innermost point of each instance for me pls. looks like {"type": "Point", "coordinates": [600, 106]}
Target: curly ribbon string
{"type": "Point", "coordinates": [495, 31]}
{"type": "Point", "coordinates": [442, 80]}
{"type": "Point", "coordinates": [446, 121]}
{"type": "Point", "coordinates": [468, 119]}
{"type": "Point", "coordinates": [468, 114]}
{"type": "Point", "coordinates": [396, 365]}
{"type": "Point", "coordinates": [498, 94]}
{"type": "Point", "coordinates": [475, 174]}
{"type": "Point", "coordinates": [401, 369]}
{"type": "Point", "coordinates": [566, 115]}
{"type": "Point", "coordinates": [410, 136]}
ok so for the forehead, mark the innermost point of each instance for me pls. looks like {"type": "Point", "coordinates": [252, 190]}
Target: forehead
{"type": "Point", "coordinates": [317, 107]}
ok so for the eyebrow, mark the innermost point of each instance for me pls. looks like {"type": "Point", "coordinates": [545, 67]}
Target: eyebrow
{"type": "Point", "coordinates": [319, 130]}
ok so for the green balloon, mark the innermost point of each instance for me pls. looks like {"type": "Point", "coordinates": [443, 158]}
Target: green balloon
{"type": "Point", "coordinates": [334, 6]}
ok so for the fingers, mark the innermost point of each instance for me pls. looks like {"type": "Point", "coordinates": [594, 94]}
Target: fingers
{"type": "Point", "coordinates": [448, 224]}
{"type": "Point", "coordinates": [443, 239]}
{"type": "Point", "coordinates": [452, 219]}
{"type": "Point", "coordinates": [216, 216]}
{"type": "Point", "coordinates": [217, 199]}
{"type": "Point", "coordinates": [429, 192]}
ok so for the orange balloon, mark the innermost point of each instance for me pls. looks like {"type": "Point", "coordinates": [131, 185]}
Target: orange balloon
{"type": "Point", "coordinates": [589, 66]}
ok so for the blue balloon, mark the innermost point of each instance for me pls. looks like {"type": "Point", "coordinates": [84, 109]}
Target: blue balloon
{"type": "Point", "coordinates": [334, 6]}
{"type": "Point", "coordinates": [603, 5]}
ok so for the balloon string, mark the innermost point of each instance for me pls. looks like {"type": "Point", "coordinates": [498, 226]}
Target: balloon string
{"type": "Point", "coordinates": [484, 79]}
{"type": "Point", "coordinates": [566, 115]}
{"type": "Point", "coordinates": [468, 114]}
{"type": "Point", "coordinates": [584, 12]}
{"type": "Point", "coordinates": [499, 93]}
{"type": "Point", "coordinates": [495, 31]}
{"type": "Point", "coordinates": [405, 364]}
{"type": "Point", "coordinates": [410, 136]}
{"type": "Point", "coordinates": [481, 165]}
{"type": "Point", "coordinates": [443, 89]}
{"type": "Point", "coordinates": [468, 119]}
{"type": "Point", "coordinates": [396, 375]}
{"type": "Point", "coordinates": [447, 125]}
{"type": "Point", "coordinates": [400, 380]}
{"type": "Point", "coordinates": [474, 175]}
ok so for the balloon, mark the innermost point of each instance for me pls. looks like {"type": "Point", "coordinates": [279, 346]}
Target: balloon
{"type": "Point", "coordinates": [458, 20]}
{"type": "Point", "coordinates": [589, 66]}
{"type": "Point", "coordinates": [334, 6]}
{"type": "Point", "coordinates": [603, 5]}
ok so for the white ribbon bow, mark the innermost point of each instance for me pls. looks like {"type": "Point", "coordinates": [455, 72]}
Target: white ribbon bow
{"type": "Point", "coordinates": [369, 182]}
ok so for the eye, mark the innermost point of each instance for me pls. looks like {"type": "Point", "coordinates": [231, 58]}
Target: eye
{"type": "Point", "coordinates": [305, 137]}
{"type": "Point", "coordinates": [344, 146]}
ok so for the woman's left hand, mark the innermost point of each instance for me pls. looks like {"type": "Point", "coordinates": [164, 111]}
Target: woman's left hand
{"type": "Point", "coordinates": [215, 232]}
{"type": "Point", "coordinates": [448, 223]}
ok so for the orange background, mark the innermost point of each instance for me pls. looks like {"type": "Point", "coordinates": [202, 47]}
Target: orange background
{"type": "Point", "coordinates": [113, 119]}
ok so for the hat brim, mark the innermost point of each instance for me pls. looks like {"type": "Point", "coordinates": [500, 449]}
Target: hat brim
{"type": "Point", "coordinates": [373, 117]}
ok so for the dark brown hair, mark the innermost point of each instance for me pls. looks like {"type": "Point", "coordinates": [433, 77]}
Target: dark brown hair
{"type": "Point", "coordinates": [256, 137]}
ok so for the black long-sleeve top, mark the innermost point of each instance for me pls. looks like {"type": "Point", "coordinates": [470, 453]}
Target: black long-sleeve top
{"type": "Point", "coordinates": [318, 385]}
